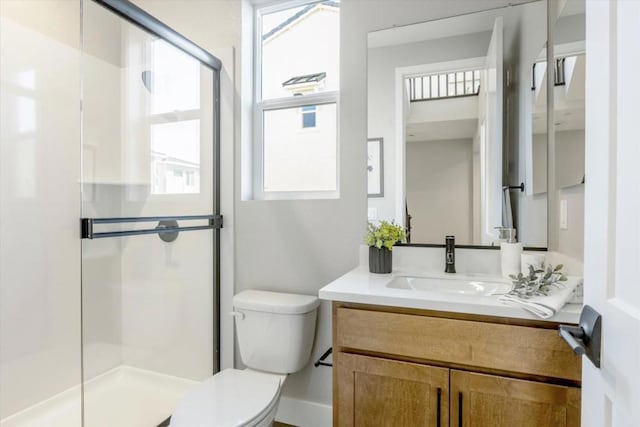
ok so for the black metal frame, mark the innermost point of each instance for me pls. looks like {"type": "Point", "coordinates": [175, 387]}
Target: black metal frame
{"type": "Point", "coordinates": [149, 23]}
{"type": "Point", "coordinates": [325, 355]}
{"type": "Point", "coordinates": [86, 224]}
{"type": "Point", "coordinates": [413, 96]}
{"type": "Point", "coordinates": [438, 245]}
{"type": "Point", "coordinates": [517, 187]}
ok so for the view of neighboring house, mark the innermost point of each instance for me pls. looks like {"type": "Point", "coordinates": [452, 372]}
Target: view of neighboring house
{"type": "Point", "coordinates": [175, 128]}
{"type": "Point", "coordinates": [300, 141]}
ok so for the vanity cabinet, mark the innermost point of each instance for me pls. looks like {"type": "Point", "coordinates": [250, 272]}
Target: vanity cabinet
{"type": "Point", "coordinates": [405, 367]}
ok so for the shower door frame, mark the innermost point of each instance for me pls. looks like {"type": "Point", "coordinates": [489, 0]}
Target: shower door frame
{"type": "Point", "coordinates": [137, 16]}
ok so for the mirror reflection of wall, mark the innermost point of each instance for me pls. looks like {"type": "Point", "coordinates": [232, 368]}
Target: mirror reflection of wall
{"type": "Point", "coordinates": [568, 127]}
{"type": "Point", "coordinates": [439, 97]}
{"type": "Point", "coordinates": [539, 124]}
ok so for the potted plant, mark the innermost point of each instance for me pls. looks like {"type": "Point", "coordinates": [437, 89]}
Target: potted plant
{"type": "Point", "coordinates": [380, 239]}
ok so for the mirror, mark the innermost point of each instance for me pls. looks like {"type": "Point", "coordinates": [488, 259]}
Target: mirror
{"type": "Point", "coordinates": [451, 99]}
{"type": "Point", "coordinates": [568, 181]}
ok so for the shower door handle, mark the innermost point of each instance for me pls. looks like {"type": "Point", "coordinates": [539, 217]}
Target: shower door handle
{"type": "Point", "coordinates": [87, 225]}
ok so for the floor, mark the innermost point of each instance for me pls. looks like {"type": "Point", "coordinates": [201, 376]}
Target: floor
{"type": "Point", "coordinates": [123, 397]}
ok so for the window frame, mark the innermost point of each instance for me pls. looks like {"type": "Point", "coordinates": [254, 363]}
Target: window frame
{"type": "Point", "coordinates": [260, 106]}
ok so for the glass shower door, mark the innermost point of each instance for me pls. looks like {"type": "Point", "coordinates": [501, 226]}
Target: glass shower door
{"type": "Point", "coordinates": [149, 203]}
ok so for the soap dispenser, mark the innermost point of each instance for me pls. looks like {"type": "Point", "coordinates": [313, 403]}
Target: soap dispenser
{"type": "Point", "coordinates": [510, 252]}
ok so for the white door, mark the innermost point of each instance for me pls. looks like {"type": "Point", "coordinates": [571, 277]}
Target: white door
{"type": "Point", "coordinates": [611, 394]}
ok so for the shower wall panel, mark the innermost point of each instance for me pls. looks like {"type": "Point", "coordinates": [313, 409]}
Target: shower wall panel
{"type": "Point", "coordinates": [39, 201]}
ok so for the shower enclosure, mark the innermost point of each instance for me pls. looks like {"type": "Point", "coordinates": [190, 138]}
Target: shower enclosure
{"type": "Point", "coordinates": [109, 215]}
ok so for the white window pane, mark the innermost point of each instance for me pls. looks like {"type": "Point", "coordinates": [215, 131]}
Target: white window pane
{"type": "Point", "coordinates": [175, 157]}
{"type": "Point", "coordinates": [468, 89]}
{"type": "Point", "coordinates": [299, 159]}
{"type": "Point", "coordinates": [418, 84]}
{"type": "Point", "coordinates": [300, 50]}
{"type": "Point", "coordinates": [173, 80]}
{"type": "Point", "coordinates": [443, 85]}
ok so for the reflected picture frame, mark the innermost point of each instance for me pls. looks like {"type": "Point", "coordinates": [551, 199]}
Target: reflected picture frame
{"type": "Point", "coordinates": [375, 167]}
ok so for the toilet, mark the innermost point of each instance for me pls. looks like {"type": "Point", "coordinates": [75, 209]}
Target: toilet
{"type": "Point", "coordinates": [275, 335]}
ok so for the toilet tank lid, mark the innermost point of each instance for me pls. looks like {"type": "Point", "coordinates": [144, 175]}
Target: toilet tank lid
{"type": "Point", "coordinates": [275, 302]}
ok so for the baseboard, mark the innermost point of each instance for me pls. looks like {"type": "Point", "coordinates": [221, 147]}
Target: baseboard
{"type": "Point", "coordinates": [303, 413]}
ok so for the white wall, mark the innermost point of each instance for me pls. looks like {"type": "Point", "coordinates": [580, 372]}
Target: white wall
{"type": "Point", "coordinates": [569, 174]}
{"type": "Point", "coordinates": [569, 158]}
{"type": "Point", "coordinates": [39, 201]}
{"type": "Point", "coordinates": [439, 180]}
{"type": "Point", "coordinates": [571, 239]}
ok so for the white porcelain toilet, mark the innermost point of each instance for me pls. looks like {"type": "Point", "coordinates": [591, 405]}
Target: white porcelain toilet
{"type": "Point", "coordinates": [275, 336]}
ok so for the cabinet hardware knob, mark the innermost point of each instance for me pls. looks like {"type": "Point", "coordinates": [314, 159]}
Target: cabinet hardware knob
{"type": "Point", "coordinates": [439, 392]}
{"type": "Point", "coordinates": [460, 409]}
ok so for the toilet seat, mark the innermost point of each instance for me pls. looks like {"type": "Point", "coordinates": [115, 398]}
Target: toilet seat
{"type": "Point", "coordinates": [230, 398]}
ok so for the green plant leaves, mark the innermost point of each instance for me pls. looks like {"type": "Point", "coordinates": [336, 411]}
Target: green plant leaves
{"type": "Point", "coordinates": [384, 234]}
{"type": "Point", "coordinates": [537, 282]}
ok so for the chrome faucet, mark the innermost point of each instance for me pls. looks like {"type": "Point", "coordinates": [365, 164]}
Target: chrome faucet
{"type": "Point", "coordinates": [450, 254]}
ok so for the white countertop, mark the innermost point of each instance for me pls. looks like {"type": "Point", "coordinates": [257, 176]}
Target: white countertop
{"type": "Point", "coordinates": [360, 286]}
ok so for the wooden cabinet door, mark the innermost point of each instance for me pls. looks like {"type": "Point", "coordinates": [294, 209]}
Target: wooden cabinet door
{"type": "Point", "coordinates": [378, 392]}
{"type": "Point", "coordinates": [479, 400]}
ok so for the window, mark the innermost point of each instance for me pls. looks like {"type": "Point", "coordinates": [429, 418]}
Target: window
{"type": "Point", "coordinates": [173, 86]}
{"type": "Point", "coordinates": [447, 85]}
{"type": "Point", "coordinates": [296, 109]}
{"type": "Point", "coordinates": [309, 116]}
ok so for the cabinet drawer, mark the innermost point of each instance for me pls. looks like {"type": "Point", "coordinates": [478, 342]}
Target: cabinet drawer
{"type": "Point", "coordinates": [518, 349]}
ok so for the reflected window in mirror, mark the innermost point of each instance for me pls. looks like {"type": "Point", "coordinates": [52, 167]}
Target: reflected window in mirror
{"type": "Point", "coordinates": [173, 91]}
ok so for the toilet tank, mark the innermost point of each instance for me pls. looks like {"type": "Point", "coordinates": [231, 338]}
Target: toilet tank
{"type": "Point", "coordinates": [275, 330]}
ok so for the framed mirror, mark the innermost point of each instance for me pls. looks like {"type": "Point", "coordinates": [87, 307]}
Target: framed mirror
{"type": "Point", "coordinates": [452, 99]}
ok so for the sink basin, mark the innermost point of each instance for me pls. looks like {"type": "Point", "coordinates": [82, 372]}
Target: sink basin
{"type": "Point", "coordinates": [454, 285]}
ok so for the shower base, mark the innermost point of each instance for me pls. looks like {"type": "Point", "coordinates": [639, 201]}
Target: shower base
{"type": "Point", "coordinates": [123, 397]}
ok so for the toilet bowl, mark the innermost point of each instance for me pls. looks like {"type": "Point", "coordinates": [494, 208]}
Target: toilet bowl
{"type": "Point", "coordinates": [275, 334]}
{"type": "Point", "coordinates": [232, 397]}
